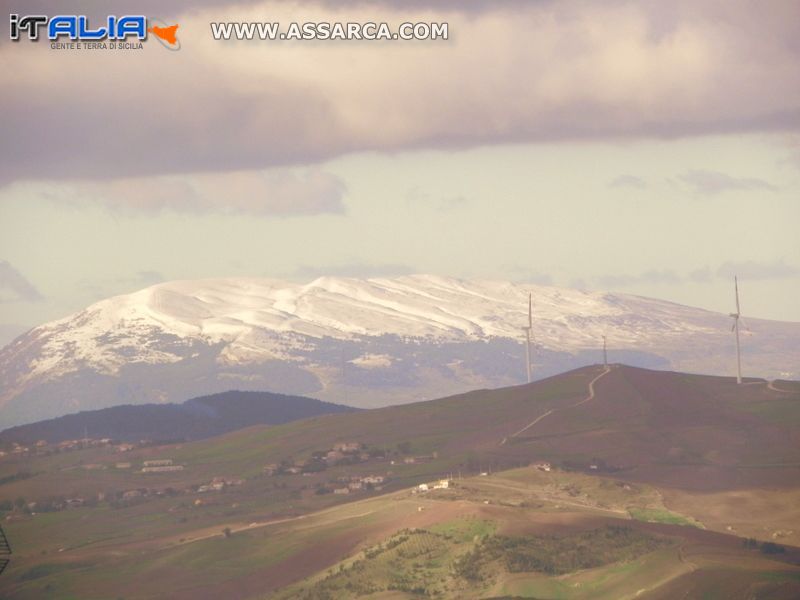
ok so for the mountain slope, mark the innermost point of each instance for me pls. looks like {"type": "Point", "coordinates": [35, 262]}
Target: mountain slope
{"type": "Point", "coordinates": [694, 431]}
{"type": "Point", "coordinates": [360, 342]}
{"type": "Point", "coordinates": [730, 450]}
{"type": "Point", "coordinates": [194, 419]}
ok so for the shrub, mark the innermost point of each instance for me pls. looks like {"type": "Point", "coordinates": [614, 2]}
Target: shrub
{"type": "Point", "coordinates": [770, 548]}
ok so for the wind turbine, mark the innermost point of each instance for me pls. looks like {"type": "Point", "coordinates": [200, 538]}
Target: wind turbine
{"type": "Point", "coordinates": [528, 337]}
{"type": "Point", "coordinates": [735, 329]}
{"type": "Point", "coordinates": [605, 353]}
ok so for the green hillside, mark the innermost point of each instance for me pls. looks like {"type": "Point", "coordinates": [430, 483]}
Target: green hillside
{"type": "Point", "coordinates": [662, 450]}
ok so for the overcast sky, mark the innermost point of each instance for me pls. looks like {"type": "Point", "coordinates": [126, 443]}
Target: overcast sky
{"type": "Point", "coordinates": [645, 147]}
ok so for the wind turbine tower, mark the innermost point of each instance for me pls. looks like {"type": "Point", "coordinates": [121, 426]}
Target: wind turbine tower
{"type": "Point", "coordinates": [605, 353]}
{"type": "Point", "coordinates": [528, 337]}
{"type": "Point", "coordinates": [735, 329]}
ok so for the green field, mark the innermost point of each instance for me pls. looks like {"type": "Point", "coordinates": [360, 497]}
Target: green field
{"type": "Point", "coordinates": [651, 515]}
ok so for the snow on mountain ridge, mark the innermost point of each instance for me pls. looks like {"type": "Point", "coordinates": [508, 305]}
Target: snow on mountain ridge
{"type": "Point", "coordinates": [413, 306]}
{"type": "Point", "coordinates": [420, 306]}
{"type": "Point", "coordinates": [262, 319]}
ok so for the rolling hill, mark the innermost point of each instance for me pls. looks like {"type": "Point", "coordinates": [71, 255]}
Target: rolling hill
{"type": "Point", "coordinates": [691, 466]}
{"type": "Point", "coordinates": [700, 431]}
{"type": "Point", "coordinates": [365, 343]}
{"type": "Point", "coordinates": [194, 419]}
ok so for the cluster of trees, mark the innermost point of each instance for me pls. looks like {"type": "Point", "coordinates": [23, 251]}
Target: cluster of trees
{"type": "Point", "coordinates": [399, 538]}
{"type": "Point", "coordinates": [114, 499]}
{"type": "Point", "coordinates": [557, 555]}
{"type": "Point", "coordinates": [327, 488]}
{"type": "Point", "coordinates": [7, 505]}
{"type": "Point", "coordinates": [47, 504]}
{"type": "Point", "coordinates": [18, 476]}
{"type": "Point", "coordinates": [765, 547]}
{"type": "Point", "coordinates": [318, 464]}
{"type": "Point", "coordinates": [117, 499]}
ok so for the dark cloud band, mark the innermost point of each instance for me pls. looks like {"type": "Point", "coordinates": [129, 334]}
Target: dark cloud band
{"type": "Point", "coordinates": [545, 71]}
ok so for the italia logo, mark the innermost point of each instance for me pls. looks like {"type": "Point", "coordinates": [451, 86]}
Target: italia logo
{"type": "Point", "coordinates": [76, 28]}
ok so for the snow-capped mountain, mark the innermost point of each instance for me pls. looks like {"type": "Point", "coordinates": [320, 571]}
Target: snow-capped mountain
{"type": "Point", "coordinates": [362, 342]}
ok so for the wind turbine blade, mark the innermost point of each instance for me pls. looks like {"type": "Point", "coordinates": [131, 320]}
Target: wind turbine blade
{"type": "Point", "coordinates": [736, 286]}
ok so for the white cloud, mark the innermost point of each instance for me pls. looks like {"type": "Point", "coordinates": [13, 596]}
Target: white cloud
{"type": "Point", "coordinates": [714, 182]}
{"type": "Point", "coordinates": [274, 192]}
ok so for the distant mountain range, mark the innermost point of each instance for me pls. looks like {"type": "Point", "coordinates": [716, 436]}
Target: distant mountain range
{"type": "Point", "coordinates": [195, 419]}
{"type": "Point", "coordinates": [359, 342]}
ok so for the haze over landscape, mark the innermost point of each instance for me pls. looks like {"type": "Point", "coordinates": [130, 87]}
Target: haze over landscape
{"type": "Point", "coordinates": [391, 319]}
